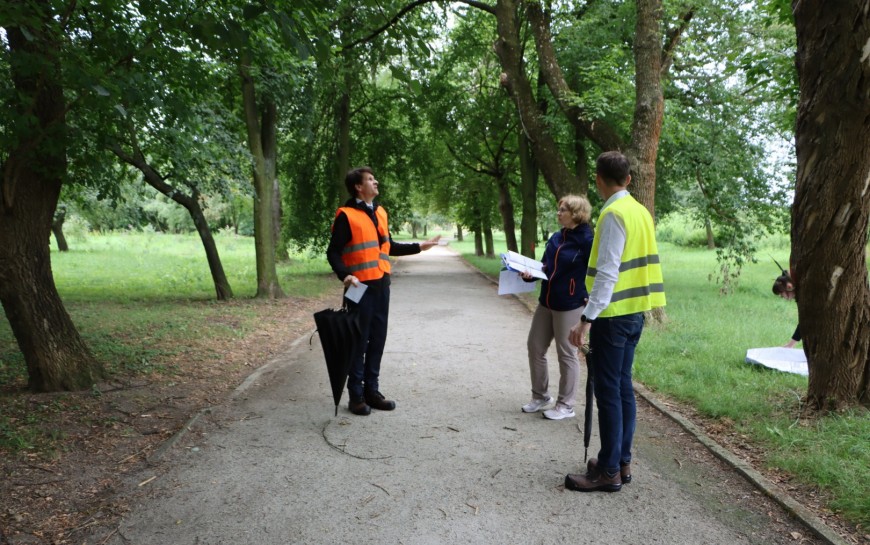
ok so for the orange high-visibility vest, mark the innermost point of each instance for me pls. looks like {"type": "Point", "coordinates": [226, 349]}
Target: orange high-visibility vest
{"type": "Point", "coordinates": [367, 254]}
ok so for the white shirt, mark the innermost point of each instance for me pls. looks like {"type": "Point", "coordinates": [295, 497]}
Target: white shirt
{"type": "Point", "coordinates": [611, 244]}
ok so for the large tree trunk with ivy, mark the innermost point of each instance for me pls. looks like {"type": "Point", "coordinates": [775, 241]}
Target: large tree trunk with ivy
{"type": "Point", "coordinates": [832, 199]}
{"type": "Point", "coordinates": [260, 121]}
{"type": "Point", "coordinates": [56, 356]}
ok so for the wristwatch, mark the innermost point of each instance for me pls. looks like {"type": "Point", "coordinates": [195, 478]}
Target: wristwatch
{"type": "Point", "coordinates": [586, 320]}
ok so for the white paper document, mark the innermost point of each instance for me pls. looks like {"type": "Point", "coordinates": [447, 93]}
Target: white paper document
{"type": "Point", "coordinates": [789, 360]}
{"type": "Point", "coordinates": [520, 263]}
{"type": "Point", "coordinates": [355, 292]}
{"type": "Point", "coordinates": [510, 282]}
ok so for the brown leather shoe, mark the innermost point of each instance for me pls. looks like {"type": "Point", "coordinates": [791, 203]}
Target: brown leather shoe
{"type": "Point", "coordinates": [624, 469]}
{"type": "Point", "coordinates": [377, 401]}
{"type": "Point", "coordinates": [359, 407]}
{"type": "Point", "coordinates": [593, 481]}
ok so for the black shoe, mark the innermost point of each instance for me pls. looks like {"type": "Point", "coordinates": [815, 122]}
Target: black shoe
{"type": "Point", "coordinates": [376, 400]}
{"type": "Point", "coordinates": [358, 406]}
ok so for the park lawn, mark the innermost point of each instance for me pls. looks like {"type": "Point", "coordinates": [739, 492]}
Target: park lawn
{"type": "Point", "coordinates": [127, 291]}
{"type": "Point", "coordinates": [697, 357]}
{"type": "Point", "coordinates": [130, 292]}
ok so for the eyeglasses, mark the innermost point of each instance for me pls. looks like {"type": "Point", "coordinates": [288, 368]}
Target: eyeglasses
{"type": "Point", "coordinates": [563, 210]}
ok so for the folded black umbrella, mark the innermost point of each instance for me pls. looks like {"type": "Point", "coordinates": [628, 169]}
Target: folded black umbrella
{"type": "Point", "coordinates": [340, 337]}
{"type": "Point", "coordinates": [590, 400]}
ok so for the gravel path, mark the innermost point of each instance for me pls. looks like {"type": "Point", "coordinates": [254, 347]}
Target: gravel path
{"type": "Point", "coordinates": [456, 462]}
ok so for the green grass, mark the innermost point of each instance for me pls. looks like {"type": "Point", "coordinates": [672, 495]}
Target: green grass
{"type": "Point", "coordinates": [697, 357]}
{"type": "Point", "coordinates": [123, 267]}
{"type": "Point", "coordinates": [127, 293]}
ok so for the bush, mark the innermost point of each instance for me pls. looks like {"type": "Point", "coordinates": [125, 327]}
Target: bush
{"type": "Point", "coordinates": [680, 230]}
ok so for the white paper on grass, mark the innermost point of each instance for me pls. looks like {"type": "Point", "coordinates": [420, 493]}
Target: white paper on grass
{"type": "Point", "coordinates": [355, 292]}
{"type": "Point", "coordinates": [789, 360]}
{"type": "Point", "coordinates": [520, 263]}
{"type": "Point", "coordinates": [510, 282]}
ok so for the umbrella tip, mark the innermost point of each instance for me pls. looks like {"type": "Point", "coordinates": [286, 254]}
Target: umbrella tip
{"type": "Point", "coordinates": [336, 410]}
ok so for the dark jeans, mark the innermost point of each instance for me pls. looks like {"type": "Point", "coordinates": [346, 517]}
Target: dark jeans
{"type": "Point", "coordinates": [374, 309]}
{"type": "Point", "coordinates": [613, 341]}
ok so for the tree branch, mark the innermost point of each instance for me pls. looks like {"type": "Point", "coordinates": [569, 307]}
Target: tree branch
{"type": "Point", "coordinates": [673, 39]}
{"type": "Point", "coordinates": [402, 12]}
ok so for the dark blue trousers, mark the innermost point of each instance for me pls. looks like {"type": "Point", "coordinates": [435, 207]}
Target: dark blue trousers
{"type": "Point", "coordinates": [374, 310]}
{"type": "Point", "coordinates": [613, 341]}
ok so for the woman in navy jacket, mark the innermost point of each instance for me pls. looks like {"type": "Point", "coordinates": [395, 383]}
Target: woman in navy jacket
{"type": "Point", "coordinates": [563, 297]}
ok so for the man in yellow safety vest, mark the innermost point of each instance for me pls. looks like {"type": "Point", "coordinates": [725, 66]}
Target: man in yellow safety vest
{"type": "Point", "coordinates": [624, 280]}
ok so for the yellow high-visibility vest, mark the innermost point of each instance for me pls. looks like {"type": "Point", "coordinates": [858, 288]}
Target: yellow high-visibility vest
{"type": "Point", "coordinates": [640, 286]}
{"type": "Point", "coordinates": [367, 255]}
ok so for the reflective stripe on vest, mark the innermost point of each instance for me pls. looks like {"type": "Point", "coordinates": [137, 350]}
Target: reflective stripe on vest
{"type": "Point", "coordinates": [640, 286]}
{"type": "Point", "coordinates": [367, 255]}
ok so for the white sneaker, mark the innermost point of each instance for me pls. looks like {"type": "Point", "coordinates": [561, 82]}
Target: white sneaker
{"type": "Point", "coordinates": [559, 412]}
{"type": "Point", "coordinates": [536, 405]}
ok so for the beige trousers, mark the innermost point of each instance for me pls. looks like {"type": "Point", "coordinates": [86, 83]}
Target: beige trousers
{"type": "Point", "coordinates": [548, 325]}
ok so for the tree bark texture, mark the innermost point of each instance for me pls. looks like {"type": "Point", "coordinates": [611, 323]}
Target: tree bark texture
{"type": "Point", "coordinates": [506, 208]}
{"type": "Point", "coordinates": [54, 352]}
{"type": "Point", "coordinates": [558, 176]}
{"type": "Point", "coordinates": [489, 241]}
{"type": "Point", "coordinates": [832, 199]}
{"type": "Point", "coordinates": [190, 203]}
{"type": "Point", "coordinates": [649, 102]}
{"type": "Point", "coordinates": [529, 192]}
{"type": "Point", "coordinates": [260, 121]}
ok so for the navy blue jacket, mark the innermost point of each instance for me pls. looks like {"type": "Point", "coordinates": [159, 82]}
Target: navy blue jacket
{"type": "Point", "coordinates": [565, 260]}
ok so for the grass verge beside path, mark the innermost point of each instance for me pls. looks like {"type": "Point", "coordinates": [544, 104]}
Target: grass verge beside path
{"type": "Point", "coordinates": [697, 359]}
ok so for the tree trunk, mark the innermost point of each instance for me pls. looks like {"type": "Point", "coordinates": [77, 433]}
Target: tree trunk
{"type": "Point", "coordinates": [281, 253]}
{"type": "Point", "coordinates": [558, 176]}
{"type": "Point", "coordinates": [581, 164]}
{"type": "Point", "coordinates": [56, 356]}
{"type": "Point", "coordinates": [648, 103]}
{"type": "Point", "coordinates": [711, 240]}
{"type": "Point", "coordinates": [832, 199]}
{"type": "Point", "coordinates": [478, 240]}
{"type": "Point", "coordinates": [488, 241]}
{"type": "Point", "coordinates": [413, 229]}
{"type": "Point", "coordinates": [506, 207]}
{"type": "Point", "coordinates": [598, 131]}
{"type": "Point", "coordinates": [190, 203]}
{"type": "Point", "coordinates": [529, 191]}
{"type": "Point", "coordinates": [57, 229]}
{"type": "Point", "coordinates": [459, 236]}
{"type": "Point", "coordinates": [263, 147]}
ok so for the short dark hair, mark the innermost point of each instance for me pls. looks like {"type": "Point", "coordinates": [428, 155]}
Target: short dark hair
{"type": "Point", "coordinates": [354, 177]}
{"type": "Point", "coordinates": [613, 167]}
{"type": "Point", "coordinates": [780, 285]}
